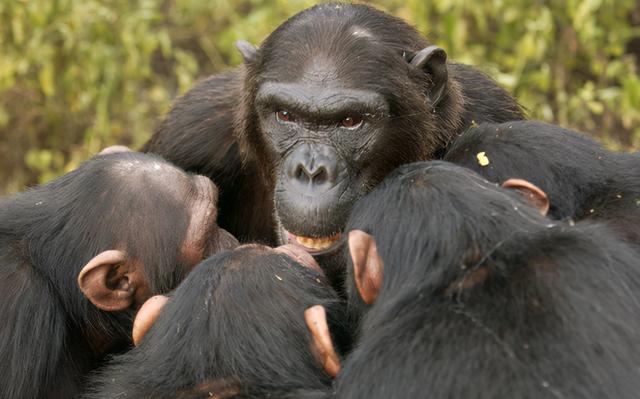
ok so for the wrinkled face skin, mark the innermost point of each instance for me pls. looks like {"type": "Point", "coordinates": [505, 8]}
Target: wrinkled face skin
{"type": "Point", "coordinates": [322, 132]}
{"type": "Point", "coordinates": [204, 238]}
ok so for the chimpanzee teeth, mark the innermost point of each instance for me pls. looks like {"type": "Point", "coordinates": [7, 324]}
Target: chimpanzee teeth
{"type": "Point", "coordinates": [317, 243]}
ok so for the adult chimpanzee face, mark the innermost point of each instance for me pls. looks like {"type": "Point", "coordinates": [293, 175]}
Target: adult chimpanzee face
{"type": "Point", "coordinates": [320, 135]}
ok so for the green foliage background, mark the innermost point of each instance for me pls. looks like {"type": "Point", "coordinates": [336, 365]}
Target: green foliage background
{"type": "Point", "coordinates": [78, 75]}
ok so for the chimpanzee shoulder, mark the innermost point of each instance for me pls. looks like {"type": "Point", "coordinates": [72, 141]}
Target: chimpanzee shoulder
{"type": "Point", "coordinates": [484, 100]}
{"type": "Point", "coordinates": [202, 120]}
{"type": "Point", "coordinates": [198, 135]}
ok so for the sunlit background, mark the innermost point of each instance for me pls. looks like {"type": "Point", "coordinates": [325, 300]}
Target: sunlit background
{"type": "Point", "coordinates": [78, 75]}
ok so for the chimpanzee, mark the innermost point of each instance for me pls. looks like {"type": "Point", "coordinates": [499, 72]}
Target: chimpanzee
{"type": "Point", "coordinates": [235, 327]}
{"type": "Point", "coordinates": [580, 178]}
{"type": "Point", "coordinates": [470, 292]}
{"type": "Point", "coordinates": [334, 99]}
{"type": "Point", "coordinates": [78, 255]}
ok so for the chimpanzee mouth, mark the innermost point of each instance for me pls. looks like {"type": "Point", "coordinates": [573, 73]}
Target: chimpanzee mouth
{"type": "Point", "coordinates": [315, 245]}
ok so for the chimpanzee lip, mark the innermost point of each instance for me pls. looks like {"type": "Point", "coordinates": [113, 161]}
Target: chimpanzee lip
{"type": "Point", "coordinates": [313, 245]}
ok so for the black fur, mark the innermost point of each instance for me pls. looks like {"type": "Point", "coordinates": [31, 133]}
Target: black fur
{"type": "Point", "coordinates": [235, 328]}
{"type": "Point", "coordinates": [581, 179]}
{"type": "Point", "coordinates": [215, 129]}
{"type": "Point", "coordinates": [51, 335]}
{"type": "Point", "coordinates": [484, 298]}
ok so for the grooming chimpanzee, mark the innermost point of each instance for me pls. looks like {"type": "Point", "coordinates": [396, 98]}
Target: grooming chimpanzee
{"type": "Point", "coordinates": [581, 179]}
{"type": "Point", "coordinates": [81, 253]}
{"type": "Point", "coordinates": [470, 292]}
{"type": "Point", "coordinates": [234, 328]}
{"type": "Point", "coordinates": [334, 99]}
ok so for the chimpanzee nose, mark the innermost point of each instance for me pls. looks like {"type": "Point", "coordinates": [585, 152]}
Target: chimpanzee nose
{"type": "Point", "coordinates": [313, 174]}
{"type": "Point", "coordinates": [313, 168]}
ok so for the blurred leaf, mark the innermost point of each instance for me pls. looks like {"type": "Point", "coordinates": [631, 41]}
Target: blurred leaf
{"type": "Point", "coordinates": [45, 76]}
{"type": "Point", "coordinates": [78, 75]}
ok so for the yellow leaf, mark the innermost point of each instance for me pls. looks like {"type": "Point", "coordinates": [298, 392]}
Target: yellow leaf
{"type": "Point", "coordinates": [482, 159]}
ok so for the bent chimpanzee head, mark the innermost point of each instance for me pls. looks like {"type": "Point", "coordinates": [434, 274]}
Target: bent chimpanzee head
{"type": "Point", "coordinates": [425, 217]}
{"type": "Point", "coordinates": [235, 327]}
{"type": "Point", "coordinates": [156, 234]}
{"type": "Point", "coordinates": [339, 96]}
{"type": "Point", "coordinates": [114, 232]}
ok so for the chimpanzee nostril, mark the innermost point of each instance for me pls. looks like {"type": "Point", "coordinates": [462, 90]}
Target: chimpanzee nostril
{"type": "Point", "coordinates": [318, 175]}
{"type": "Point", "coordinates": [301, 174]}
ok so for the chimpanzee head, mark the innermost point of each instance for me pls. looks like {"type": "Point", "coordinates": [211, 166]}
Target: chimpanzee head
{"type": "Point", "coordinates": [153, 230]}
{"type": "Point", "coordinates": [110, 234]}
{"type": "Point", "coordinates": [427, 216]}
{"type": "Point", "coordinates": [235, 327]}
{"type": "Point", "coordinates": [335, 98]}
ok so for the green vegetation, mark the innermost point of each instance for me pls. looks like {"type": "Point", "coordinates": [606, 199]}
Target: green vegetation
{"type": "Point", "coordinates": [78, 75]}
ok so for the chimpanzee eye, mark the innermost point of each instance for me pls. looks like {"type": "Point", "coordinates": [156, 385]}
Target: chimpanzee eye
{"type": "Point", "coordinates": [351, 122]}
{"type": "Point", "coordinates": [284, 116]}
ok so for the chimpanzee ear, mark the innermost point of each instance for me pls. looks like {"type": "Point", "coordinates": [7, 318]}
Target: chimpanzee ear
{"type": "Point", "coordinates": [106, 283]}
{"type": "Point", "coordinates": [248, 51]}
{"type": "Point", "coordinates": [433, 61]}
{"type": "Point", "coordinates": [531, 193]}
{"type": "Point", "coordinates": [321, 343]}
{"type": "Point", "coordinates": [367, 265]}
{"type": "Point", "coordinates": [147, 316]}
